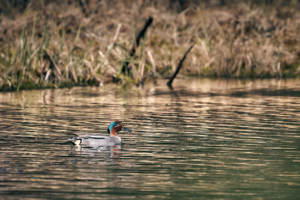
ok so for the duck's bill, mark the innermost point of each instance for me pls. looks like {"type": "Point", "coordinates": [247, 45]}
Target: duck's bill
{"type": "Point", "coordinates": [126, 129]}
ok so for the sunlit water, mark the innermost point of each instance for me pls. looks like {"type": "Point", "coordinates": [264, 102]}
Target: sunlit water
{"type": "Point", "coordinates": [205, 139]}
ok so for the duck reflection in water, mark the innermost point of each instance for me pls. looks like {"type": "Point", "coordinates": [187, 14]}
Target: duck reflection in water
{"type": "Point", "coordinates": [93, 151]}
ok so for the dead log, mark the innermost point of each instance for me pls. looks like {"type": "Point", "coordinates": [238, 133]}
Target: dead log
{"type": "Point", "coordinates": [125, 68]}
{"type": "Point", "coordinates": [178, 67]}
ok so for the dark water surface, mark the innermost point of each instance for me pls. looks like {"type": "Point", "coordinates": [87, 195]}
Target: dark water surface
{"type": "Point", "coordinates": [206, 139]}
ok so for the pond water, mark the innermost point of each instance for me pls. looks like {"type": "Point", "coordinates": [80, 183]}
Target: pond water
{"type": "Point", "coordinates": [205, 139]}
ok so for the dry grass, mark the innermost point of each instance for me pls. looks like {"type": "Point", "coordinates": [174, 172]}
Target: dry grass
{"type": "Point", "coordinates": [61, 45]}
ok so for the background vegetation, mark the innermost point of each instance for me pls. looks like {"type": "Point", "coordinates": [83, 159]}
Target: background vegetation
{"type": "Point", "coordinates": [64, 43]}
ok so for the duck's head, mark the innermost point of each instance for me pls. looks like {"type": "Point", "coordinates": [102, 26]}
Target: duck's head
{"type": "Point", "coordinates": [116, 126]}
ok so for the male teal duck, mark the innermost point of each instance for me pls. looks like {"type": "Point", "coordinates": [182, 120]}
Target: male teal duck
{"type": "Point", "coordinates": [101, 140]}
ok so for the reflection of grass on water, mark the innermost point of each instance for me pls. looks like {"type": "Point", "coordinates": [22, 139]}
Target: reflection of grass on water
{"type": "Point", "coordinates": [65, 45]}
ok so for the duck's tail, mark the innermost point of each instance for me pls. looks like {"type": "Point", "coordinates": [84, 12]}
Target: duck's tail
{"type": "Point", "coordinates": [75, 141]}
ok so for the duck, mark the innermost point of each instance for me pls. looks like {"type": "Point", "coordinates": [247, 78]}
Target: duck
{"type": "Point", "coordinates": [92, 140]}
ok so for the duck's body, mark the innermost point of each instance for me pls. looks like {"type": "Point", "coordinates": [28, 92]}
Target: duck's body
{"type": "Point", "coordinates": [96, 140]}
{"type": "Point", "coordinates": [101, 140]}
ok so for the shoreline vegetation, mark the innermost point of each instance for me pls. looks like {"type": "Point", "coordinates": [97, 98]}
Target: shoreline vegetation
{"type": "Point", "coordinates": [53, 44]}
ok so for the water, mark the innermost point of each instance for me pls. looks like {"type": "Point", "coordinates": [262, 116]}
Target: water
{"type": "Point", "coordinates": [206, 139]}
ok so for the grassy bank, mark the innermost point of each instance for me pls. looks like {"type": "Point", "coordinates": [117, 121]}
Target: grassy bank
{"type": "Point", "coordinates": [63, 45]}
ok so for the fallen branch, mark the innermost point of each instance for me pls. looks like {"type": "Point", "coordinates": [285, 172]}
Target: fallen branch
{"type": "Point", "coordinates": [136, 44]}
{"type": "Point", "coordinates": [178, 67]}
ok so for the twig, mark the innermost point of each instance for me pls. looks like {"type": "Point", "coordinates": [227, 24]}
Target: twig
{"type": "Point", "coordinates": [136, 44]}
{"type": "Point", "coordinates": [178, 67]}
